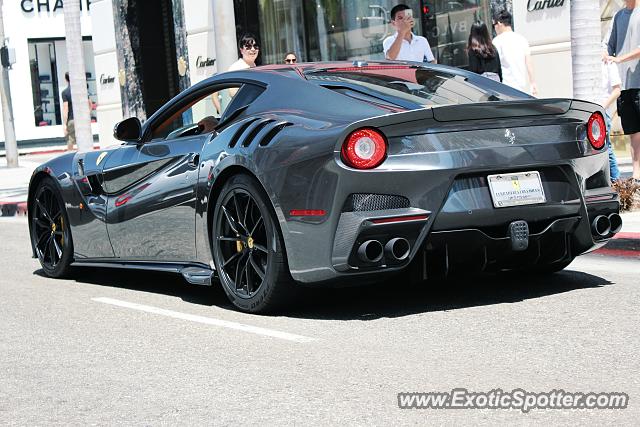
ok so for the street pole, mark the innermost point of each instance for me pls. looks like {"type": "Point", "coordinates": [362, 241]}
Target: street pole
{"type": "Point", "coordinates": [224, 23]}
{"type": "Point", "coordinates": [77, 77]}
{"type": "Point", "coordinates": [10, 144]}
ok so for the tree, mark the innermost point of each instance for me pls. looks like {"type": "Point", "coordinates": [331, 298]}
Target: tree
{"type": "Point", "coordinates": [77, 77]}
{"type": "Point", "coordinates": [586, 50]}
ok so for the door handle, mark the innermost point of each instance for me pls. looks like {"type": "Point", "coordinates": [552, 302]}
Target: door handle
{"type": "Point", "coordinates": [194, 158]}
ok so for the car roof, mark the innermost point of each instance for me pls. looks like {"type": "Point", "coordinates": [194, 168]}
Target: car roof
{"type": "Point", "coordinates": [304, 67]}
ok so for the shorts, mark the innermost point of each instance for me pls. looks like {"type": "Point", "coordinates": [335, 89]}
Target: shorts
{"type": "Point", "coordinates": [71, 134]}
{"type": "Point", "coordinates": [629, 110]}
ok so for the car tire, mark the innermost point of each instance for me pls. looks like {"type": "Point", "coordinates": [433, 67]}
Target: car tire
{"type": "Point", "coordinates": [248, 249]}
{"type": "Point", "coordinates": [50, 231]}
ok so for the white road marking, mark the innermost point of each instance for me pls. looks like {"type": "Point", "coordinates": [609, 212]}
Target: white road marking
{"type": "Point", "coordinates": [206, 320]}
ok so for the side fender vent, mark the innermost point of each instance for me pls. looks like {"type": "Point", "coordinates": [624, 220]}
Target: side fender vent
{"type": "Point", "coordinates": [256, 128]}
{"type": "Point", "coordinates": [273, 132]}
{"type": "Point", "coordinates": [240, 131]}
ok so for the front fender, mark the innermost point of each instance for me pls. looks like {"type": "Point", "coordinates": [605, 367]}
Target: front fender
{"type": "Point", "coordinates": [90, 238]}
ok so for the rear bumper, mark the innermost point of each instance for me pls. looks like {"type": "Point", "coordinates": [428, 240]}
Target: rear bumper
{"type": "Point", "coordinates": [460, 227]}
{"type": "Point", "coordinates": [473, 250]}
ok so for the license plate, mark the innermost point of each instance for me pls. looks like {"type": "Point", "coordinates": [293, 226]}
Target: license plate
{"type": "Point", "coordinates": [515, 189]}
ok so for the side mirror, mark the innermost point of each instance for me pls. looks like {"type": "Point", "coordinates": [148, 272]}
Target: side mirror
{"type": "Point", "coordinates": [128, 130]}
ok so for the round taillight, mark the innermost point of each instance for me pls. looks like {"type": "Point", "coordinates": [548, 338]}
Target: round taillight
{"type": "Point", "coordinates": [597, 131]}
{"type": "Point", "coordinates": [364, 149]}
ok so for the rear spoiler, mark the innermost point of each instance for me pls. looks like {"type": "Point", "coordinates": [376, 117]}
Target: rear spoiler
{"type": "Point", "coordinates": [478, 111]}
{"type": "Point", "coordinates": [501, 109]}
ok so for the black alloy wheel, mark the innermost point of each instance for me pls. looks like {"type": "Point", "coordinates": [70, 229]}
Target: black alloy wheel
{"type": "Point", "coordinates": [247, 248]}
{"type": "Point", "coordinates": [50, 233]}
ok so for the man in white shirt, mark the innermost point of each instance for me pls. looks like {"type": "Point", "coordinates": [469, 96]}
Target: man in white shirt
{"type": "Point", "coordinates": [515, 55]}
{"type": "Point", "coordinates": [404, 45]}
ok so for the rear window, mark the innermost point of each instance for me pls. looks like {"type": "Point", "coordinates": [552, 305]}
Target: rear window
{"type": "Point", "coordinates": [412, 87]}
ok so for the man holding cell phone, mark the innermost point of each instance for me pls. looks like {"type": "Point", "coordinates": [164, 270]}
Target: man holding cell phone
{"type": "Point", "coordinates": [404, 45]}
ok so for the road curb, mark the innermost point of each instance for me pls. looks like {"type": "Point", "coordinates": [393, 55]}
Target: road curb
{"type": "Point", "coordinates": [622, 244]}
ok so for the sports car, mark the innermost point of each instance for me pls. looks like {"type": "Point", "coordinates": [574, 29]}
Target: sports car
{"type": "Point", "coordinates": [325, 173]}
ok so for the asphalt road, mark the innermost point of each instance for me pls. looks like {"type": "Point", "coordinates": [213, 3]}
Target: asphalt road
{"type": "Point", "coordinates": [113, 347]}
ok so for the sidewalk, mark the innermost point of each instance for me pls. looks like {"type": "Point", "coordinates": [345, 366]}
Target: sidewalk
{"type": "Point", "coordinates": [45, 149]}
{"type": "Point", "coordinates": [14, 183]}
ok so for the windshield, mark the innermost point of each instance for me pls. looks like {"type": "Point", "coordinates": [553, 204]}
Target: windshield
{"type": "Point", "coordinates": [413, 87]}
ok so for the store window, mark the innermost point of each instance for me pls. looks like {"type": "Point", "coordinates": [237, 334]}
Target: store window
{"type": "Point", "coordinates": [327, 30]}
{"type": "Point", "coordinates": [330, 30]}
{"type": "Point", "coordinates": [48, 64]}
{"type": "Point", "coordinates": [448, 26]}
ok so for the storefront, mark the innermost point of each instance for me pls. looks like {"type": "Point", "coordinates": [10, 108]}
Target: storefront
{"type": "Point", "coordinates": [35, 30]}
{"type": "Point", "coordinates": [328, 30]}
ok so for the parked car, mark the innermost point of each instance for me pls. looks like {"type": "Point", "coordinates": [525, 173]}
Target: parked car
{"type": "Point", "coordinates": [333, 172]}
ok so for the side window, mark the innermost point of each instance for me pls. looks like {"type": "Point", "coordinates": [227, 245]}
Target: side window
{"type": "Point", "coordinates": [203, 114]}
{"type": "Point", "coordinates": [247, 94]}
{"type": "Point", "coordinates": [200, 116]}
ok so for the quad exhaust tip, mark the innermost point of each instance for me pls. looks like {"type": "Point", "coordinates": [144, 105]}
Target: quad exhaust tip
{"type": "Point", "coordinates": [397, 249]}
{"type": "Point", "coordinates": [601, 226]}
{"type": "Point", "coordinates": [370, 251]}
{"type": "Point", "coordinates": [615, 222]}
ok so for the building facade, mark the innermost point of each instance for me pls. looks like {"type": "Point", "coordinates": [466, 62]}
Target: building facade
{"type": "Point", "coordinates": [35, 30]}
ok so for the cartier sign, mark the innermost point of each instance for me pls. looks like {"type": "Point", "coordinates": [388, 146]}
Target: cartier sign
{"type": "Point", "coordinates": [204, 62]}
{"type": "Point", "coordinates": [105, 80]}
{"type": "Point", "coordinates": [533, 5]}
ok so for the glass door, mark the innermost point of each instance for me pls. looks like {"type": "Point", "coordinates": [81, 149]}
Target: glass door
{"type": "Point", "coordinates": [44, 83]}
{"type": "Point", "coordinates": [447, 27]}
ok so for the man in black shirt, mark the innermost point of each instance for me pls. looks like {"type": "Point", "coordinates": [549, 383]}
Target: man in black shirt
{"type": "Point", "coordinates": [67, 115]}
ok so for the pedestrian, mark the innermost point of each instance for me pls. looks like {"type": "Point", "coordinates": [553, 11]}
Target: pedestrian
{"type": "Point", "coordinates": [483, 56]}
{"type": "Point", "coordinates": [624, 49]}
{"type": "Point", "coordinates": [68, 126]}
{"type": "Point", "coordinates": [67, 115]}
{"type": "Point", "coordinates": [515, 54]}
{"type": "Point", "coordinates": [610, 92]}
{"type": "Point", "coordinates": [249, 51]}
{"type": "Point", "coordinates": [404, 45]}
{"type": "Point", "coordinates": [290, 58]}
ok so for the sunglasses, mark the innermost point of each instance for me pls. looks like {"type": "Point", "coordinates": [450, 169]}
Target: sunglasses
{"type": "Point", "coordinates": [290, 61]}
{"type": "Point", "coordinates": [250, 46]}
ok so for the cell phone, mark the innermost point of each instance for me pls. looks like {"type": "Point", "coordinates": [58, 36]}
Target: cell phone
{"type": "Point", "coordinates": [408, 13]}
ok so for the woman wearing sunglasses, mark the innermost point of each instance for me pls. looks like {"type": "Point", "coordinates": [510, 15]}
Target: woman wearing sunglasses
{"type": "Point", "coordinates": [290, 58]}
{"type": "Point", "coordinates": [249, 49]}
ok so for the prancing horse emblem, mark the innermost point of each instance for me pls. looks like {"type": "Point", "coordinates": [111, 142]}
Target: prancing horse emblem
{"type": "Point", "coordinates": [511, 137]}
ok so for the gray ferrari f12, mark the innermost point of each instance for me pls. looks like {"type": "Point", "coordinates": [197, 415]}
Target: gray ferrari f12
{"type": "Point", "coordinates": [268, 179]}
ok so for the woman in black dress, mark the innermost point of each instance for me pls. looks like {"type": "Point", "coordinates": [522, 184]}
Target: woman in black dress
{"type": "Point", "coordinates": [483, 56]}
